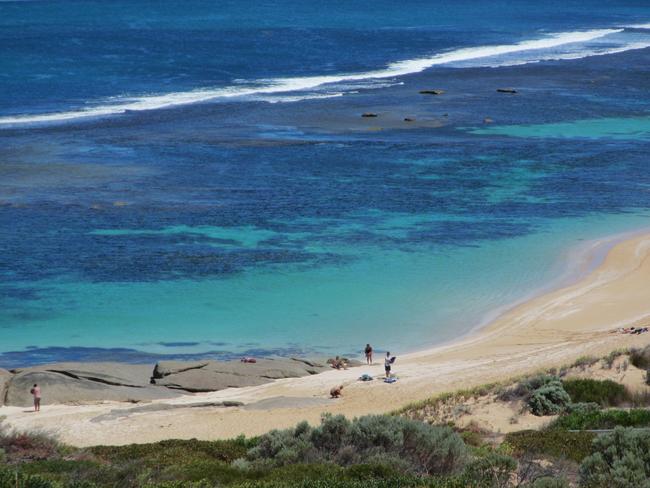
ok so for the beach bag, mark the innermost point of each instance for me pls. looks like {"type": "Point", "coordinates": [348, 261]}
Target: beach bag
{"type": "Point", "coordinates": [392, 360]}
{"type": "Point", "coordinates": [365, 377]}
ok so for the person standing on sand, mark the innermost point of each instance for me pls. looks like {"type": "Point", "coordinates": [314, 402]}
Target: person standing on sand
{"type": "Point", "coordinates": [368, 351]}
{"type": "Point", "coordinates": [387, 364]}
{"type": "Point", "coordinates": [36, 392]}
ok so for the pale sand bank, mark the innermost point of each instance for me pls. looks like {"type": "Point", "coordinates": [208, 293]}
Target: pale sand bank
{"type": "Point", "coordinates": [549, 330]}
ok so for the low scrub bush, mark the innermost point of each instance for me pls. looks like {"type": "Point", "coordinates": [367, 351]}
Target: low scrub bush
{"type": "Point", "coordinates": [524, 388]}
{"type": "Point", "coordinates": [584, 362]}
{"type": "Point", "coordinates": [408, 445]}
{"type": "Point", "coordinates": [558, 444]}
{"type": "Point", "coordinates": [492, 470]}
{"type": "Point", "coordinates": [620, 459]}
{"type": "Point", "coordinates": [548, 482]}
{"type": "Point", "coordinates": [549, 399]}
{"type": "Point", "coordinates": [602, 419]}
{"type": "Point", "coordinates": [583, 407]}
{"type": "Point", "coordinates": [606, 393]}
{"type": "Point", "coordinates": [404, 482]}
{"type": "Point", "coordinates": [11, 478]}
{"type": "Point", "coordinates": [175, 450]}
{"type": "Point", "coordinates": [640, 357]}
{"type": "Point", "coordinates": [27, 446]}
{"type": "Point", "coordinates": [608, 361]}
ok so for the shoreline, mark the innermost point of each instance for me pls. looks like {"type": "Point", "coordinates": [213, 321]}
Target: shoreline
{"type": "Point", "coordinates": [589, 256]}
{"type": "Point", "coordinates": [547, 330]}
{"type": "Point", "coordinates": [576, 261]}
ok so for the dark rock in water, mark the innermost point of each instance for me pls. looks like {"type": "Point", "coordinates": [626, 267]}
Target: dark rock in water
{"type": "Point", "coordinates": [409, 119]}
{"type": "Point", "coordinates": [219, 375]}
{"type": "Point", "coordinates": [369, 114]}
{"type": "Point", "coordinates": [488, 120]}
{"type": "Point", "coordinates": [445, 115]}
{"type": "Point", "coordinates": [506, 90]}
{"type": "Point", "coordinates": [432, 92]}
{"type": "Point", "coordinates": [84, 382]}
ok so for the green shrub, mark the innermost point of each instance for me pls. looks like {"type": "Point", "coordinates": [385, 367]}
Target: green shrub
{"type": "Point", "coordinates": [404, 482]}
{"type": "Point", "coordinates": [549, 399]}
{"type": "Point", "coordinates": [371, 471]}
{"type": "Point", "coordinates": [203, 469]}
{"type": "Point", "coordinates": [410, 445]}
{"type": "Point", "coordinates": [548, 482]}
{"type": "Point", "coordinates": [493, 470]}
{"type": "Point", "coordinates": [11, 478]}
{"type": "Point", "coordinates": [621, 459]}
{"type": "Point", "coordinates": [581, 408]}
{"type": "Point", "coordinates": [524, 388]}
{"type": "Point", "coordinates": [603, 419]}
{"type": "Point", "coordinates": [555, 443]}
{"type": "Point", "coordinates": [607, 393]}
{"type": "Point", "coordinates": [176, 450]}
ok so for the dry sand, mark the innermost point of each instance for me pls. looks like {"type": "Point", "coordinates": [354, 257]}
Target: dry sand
{"type": "Point", "coordinates": [550, 330]}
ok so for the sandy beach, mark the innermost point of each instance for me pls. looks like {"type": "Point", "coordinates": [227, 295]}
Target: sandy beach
{"type": "Point", "coordinates": [546, 331]}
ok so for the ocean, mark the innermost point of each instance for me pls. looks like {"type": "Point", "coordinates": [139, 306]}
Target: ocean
{"type": "Point", "coordinates": [189, 179]}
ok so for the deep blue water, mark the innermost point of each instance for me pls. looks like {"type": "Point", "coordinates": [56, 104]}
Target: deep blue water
{"type": "Point", "coordinates": [181, 179]}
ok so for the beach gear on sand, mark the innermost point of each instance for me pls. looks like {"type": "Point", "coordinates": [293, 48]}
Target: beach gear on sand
{"type": "Point", "coordinates": [365, 377]}
{"type": "Point", "coordinates": [390, 380]}
{"type": "Point", "coordinates": [248, 360]}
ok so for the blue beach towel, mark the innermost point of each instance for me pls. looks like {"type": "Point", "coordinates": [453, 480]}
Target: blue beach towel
{"type": "Point", "coordinates": [390, 380]}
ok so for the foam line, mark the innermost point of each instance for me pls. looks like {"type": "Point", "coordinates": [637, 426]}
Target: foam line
{"type": "Point", "coordinates": [296, 84]}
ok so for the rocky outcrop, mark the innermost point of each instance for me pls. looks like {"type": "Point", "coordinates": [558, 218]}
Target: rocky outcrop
{"type": "Point", "coordinates": [121, 382]}
{"type": "Point", "coordinates": [506, 90]}
{"type": "Point", "coordinates": [83, 383]}
{"type": "Point", "coordinates": [219, 375]}
{"type": "Point", "coordinates": [432, 92]}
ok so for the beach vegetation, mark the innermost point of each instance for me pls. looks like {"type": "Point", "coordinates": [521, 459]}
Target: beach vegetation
{"type": "Point", "coordinates": [550, 482]}
{"type": "Point", "coordinates": [412, 446]}
{"type": "Point", "coordinates": [602, 419]}
{"type": "Point", "coordinates": [583, 362]}
{"type": "Point", "coordinates": [493, 470]}
{"type": "Point", "coordinates": [620, 458]}
{"type": "Point", "coordinates": [560, 444]}
{"type": "Point", "coordinates": [606, 393]}
{"type": "Point", "coordinates": [549, 399]}
{"type": "Point", "coordinates": [640, 357]}
{"type": "Point", "coordinates": [608, 361]}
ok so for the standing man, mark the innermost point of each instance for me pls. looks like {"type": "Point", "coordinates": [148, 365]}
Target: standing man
{"type": "Point", "coordinates": [387, 364]}
{"type": "Point", "coordinates": [36, 392]}
{"type": "Point", "coordinates": [368, 351]}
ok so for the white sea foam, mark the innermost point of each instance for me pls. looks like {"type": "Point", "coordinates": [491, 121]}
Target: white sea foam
{"type": "Point", "coordinates": [638, 26]}
{"type": "Point", "coordinates": [471, 56]}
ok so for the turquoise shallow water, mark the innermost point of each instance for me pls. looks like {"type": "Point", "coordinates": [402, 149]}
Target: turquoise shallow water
{"type": "Point", "coordinates": [397, 300]}
{"type": "Point", "coordinates": [615, 128]}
